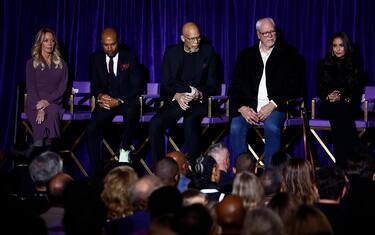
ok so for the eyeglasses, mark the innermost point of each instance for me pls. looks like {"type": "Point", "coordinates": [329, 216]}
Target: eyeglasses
{"type": "Point", "coordinates": [194, 39]}
{"type": "Point", "coordinates": [267, 34]}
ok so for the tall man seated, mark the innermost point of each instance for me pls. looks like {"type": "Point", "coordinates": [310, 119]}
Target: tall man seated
{"type": "Point", "coordinates": [189, 78]}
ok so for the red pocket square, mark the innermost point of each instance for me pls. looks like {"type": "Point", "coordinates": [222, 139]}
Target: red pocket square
{"type": "Point", "coordinates": [124, 67]}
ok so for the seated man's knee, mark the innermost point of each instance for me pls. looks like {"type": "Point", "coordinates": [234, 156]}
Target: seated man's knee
{"type": "Point", "coordinates": [237, 126]}
{"type": "Point", "coordinates": [272, 128]}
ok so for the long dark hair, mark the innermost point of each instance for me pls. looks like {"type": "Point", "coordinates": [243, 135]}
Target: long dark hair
{"type": "Point", "coordinates": [352, 65]}
{"type": "Point", "coordinates": [346, 41]}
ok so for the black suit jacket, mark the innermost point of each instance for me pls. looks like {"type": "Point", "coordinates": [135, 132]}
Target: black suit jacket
{"type": "Point", "coordinates": [128, 75]}
{"type": "Point", "coordinates": [284, 76]}
{"type": "Point", "coordinates": [206, 72]}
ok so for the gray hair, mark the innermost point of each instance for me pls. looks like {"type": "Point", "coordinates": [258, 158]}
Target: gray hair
{"type": "Point", "coordinates": [45, 166]}
{"type": "Point", "coordinates": [260, 22]}
{"type": "Point", "coordinates": [215, 148]}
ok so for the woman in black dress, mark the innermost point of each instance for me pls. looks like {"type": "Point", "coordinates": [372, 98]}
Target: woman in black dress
{"type": "Point", "coordinates": [340, 88]}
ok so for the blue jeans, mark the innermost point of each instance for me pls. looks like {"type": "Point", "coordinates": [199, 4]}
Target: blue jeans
{"type": "Point", "coordinates": [272, 133]}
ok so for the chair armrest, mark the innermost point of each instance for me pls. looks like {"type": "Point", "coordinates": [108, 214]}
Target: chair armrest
{"type": "Point", "coordinates": [297, 105]}
{"type": "Point", "coordinates": [153, 96]}
{"type": "Point", "coordinates": [149, 100]}
{"type": "Point", "coordinates": [219, 97]}
{"type": "Point", "coordinates": [317, 99]}
{"type": "Point", "coordinates": [81, 99]}
{"type": "Point", "coordinates": [221, 100]}
{"type": "Point", "coordinates": [314, 101]}
{"type": "Point", "coordinates": [295, 100]}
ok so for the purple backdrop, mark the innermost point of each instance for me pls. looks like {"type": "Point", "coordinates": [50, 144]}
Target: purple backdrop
{"type": "Point", "coordinates": [149, 26]}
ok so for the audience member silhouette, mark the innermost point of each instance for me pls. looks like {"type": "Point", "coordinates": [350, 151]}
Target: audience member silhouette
{"type": "Point", "coordinates": [53, 217]}
{"type": "Point", "coordinates": [222, 157]}
{"type": "Point", "coordinates": [308, 220]}
{"type": "Point", "coordinates": [84, 210]}
{"type": "Point", "coordinates": [230, 215]}
{"type": "Point", "coordinates": [284, 204]}
{"type": "Point", "coordinates": [192, 196]}
{"type": "Point", "coordinates": [331, 185]}
{"type": "Point", "coordinates": [249, 188]}
{"type": "Point", "coordinates": [164, 200]}
{"type": "Point", "coordinates": [262, 221]}
{"type": "Point", "coordinates": [194, 219]}
{"type": "Point", "coordinates": [184, 168]}
{"type": "Point", "coordinates": [297, 180]}
{"type": "Point", "coordinates": [271, 180]}
{"type": "Point", "coordinates": [115, 194]}
{"type": "Point", "coordinates": [245, 162]}
{"type": "Point", "coordinates": [168, 171]}
{"type": "Point", "coordinates": [140, 220]}
{"type": "Point", "coordinates": [207, 177]}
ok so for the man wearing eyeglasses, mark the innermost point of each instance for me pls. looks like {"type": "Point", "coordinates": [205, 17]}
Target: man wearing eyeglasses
{"type": "Point", "coordinates": [189, 78]}
{"type": "Point", "coordinates": [265, 77]}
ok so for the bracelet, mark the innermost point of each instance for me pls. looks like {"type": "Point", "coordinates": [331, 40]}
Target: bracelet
{"type": "Point", "coordinates": [120, 101]}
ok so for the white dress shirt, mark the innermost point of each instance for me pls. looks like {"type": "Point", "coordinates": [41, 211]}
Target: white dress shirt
{"type": "Point", "coordinates": [115, 63]}
{"type": "Point", "coordinates": [262, 91]}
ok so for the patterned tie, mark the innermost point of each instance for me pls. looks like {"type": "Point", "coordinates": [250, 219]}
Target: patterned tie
{"type": "Point", "coordinates": [110, 66]}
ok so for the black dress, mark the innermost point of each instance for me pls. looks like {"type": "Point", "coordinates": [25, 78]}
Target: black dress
{"type": "Point", "coordinates": [344, 75]}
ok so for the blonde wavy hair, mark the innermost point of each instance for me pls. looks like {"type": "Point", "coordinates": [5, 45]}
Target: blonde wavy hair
{"type": "Point", "coordinates": [249, 188]}
{"type": "Point", "coordinates": [115, 194]}
{"type": "Point", "coordinates": [36, 51]}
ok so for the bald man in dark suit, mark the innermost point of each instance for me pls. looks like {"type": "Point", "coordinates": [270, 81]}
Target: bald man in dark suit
{"type": "Point", "coordinates": [116, 84]}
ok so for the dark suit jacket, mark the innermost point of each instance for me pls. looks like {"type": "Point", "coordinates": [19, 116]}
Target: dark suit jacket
{"type": "Point", "coordinates": [172, 66]}
{"type": "Point", "coordinates": [284, 77]}
{"type": "Point", "coordinates": [128, 73]}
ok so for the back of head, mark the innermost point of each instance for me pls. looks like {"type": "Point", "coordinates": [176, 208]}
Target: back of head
{"type": "Point", "coordinates": [330, 182]}
{"type": "Point", "coordinates": [308, 220]}
{"type": "Point", "coordinates": [248, 187]}
{"type": "Point", "coordinates": [141, 190]}
{"type": "Point", "coordinates": [284, 204]}
{"type": "Point", "coordinates": [230, 214]}
{"type": "Point", "coordinates": [245, 162]}
{"type": "Point", "coordinates": [56, 187]}
{"type": "Point", "coordinates": [115, 194]}
{"type": "Point", "coordinates": [181, 160]}
{"type": "Point", "coordinates": [192, 196]}
{"type": "Point", "coordinates": [84, 209]}
{"type": "Point", "coordinates": [360, 165]}
{"type": "Point", "coordinates": [271, 181]}
{"type": "Point", "coordinates": [164, 200]}
{"type": "Point", "coordinates": [221, 155]}
{"type": "Point", "coordinates": [262, 221]}
{"type": "Point", "coordinates": [203, 168]}
{"type": "Point", "coordinates": [168, 171]}
{"type": "Point", "coordinates": [45, 166]}
{"type": "Point", "coordinates": [194, 219]}
{"type": "Point", "coordinates": [298, 180]}
{"type": "Point", "coordinates": [161, 225]}
{"type": "Point", "coordinates": [280, 160]}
